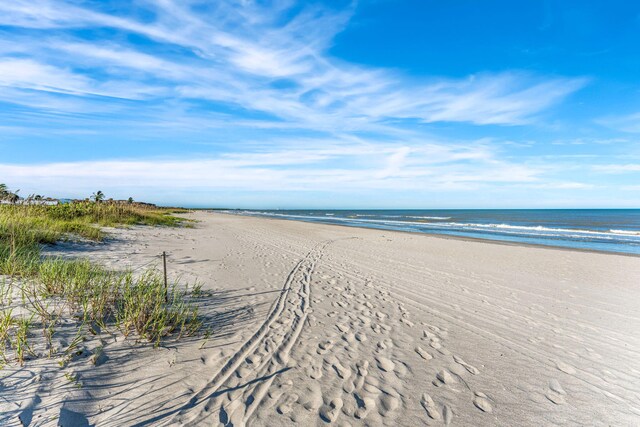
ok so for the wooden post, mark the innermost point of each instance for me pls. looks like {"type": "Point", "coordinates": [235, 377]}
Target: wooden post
{"type": "Point", "coordinates": [166, 287]}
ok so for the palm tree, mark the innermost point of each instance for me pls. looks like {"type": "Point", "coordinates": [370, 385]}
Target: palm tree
{"type": "Point", "coordinates": [13, 197]}
{"type": "Point", "coordinates": [5, 194]}
{"type": "Point", "coordinates": [98, 196]}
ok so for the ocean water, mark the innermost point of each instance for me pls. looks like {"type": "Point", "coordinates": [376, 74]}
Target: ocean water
{"type": "Point", "coordinates": [609, 230]}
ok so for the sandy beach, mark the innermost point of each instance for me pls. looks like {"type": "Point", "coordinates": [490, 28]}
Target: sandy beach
{"type": "Point", "coordinates": [312, 324]}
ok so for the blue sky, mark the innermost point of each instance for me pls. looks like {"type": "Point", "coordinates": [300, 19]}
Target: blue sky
{"type": "Point", "coordinates": [283, 104]}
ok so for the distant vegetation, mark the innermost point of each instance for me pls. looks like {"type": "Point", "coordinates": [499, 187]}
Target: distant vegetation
{"type": "Point", "coordinates": [8, 196]}
{"type": "Point", "coordinates": [40, 294]}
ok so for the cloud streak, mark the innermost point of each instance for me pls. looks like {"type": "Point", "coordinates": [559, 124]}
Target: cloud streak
{"type": "Point", "coordinates": [626, 123]}
{"type": "Point", "coordinates": [618, 168]}
{"type": "Point", "coordinates": [271, 60]}
{"type": "Point", "coordinates": [387, 166]}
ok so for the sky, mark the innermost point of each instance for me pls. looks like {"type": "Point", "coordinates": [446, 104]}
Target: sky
{"type": "Point", "coordinates": [339, 104]}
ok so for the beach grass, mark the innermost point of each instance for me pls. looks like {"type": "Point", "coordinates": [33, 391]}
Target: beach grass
{"type": "Point", "coordinates": [40, 294]}
{"type": "Point", "coordinates": [24, 227]}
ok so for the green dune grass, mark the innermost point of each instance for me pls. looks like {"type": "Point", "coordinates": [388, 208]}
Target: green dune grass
{"type": "Point", "coordinates": [38, 294]}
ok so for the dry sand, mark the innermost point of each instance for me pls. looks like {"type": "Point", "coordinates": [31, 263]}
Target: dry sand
{"type": "Point", "coordinates": [314, 324]}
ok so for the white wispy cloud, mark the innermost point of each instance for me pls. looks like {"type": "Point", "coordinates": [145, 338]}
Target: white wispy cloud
{"type": "Point", "coordinates": [626, 123]}
{"type": "Point", "coordinates": [617, 168]}
{"type": "Point", "coordinates": [271, 59]}
{"type": "Point", "coordinates": [29, 74]}
{"type": "Point", "coordinates": [563, 186]}
{"type": "Point", "coordinates": [387, 166]}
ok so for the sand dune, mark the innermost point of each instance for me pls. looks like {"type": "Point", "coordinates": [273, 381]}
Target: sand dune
{"type": "Point", "coordinates": [315, 324]}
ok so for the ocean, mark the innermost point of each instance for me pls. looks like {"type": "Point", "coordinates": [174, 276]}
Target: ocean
{"type": "Point", "coordinates": [609, 230]}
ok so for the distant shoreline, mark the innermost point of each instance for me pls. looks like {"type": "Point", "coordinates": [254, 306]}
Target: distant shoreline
{"type": "Point", "coordinates": [408, 209]}
{"type": "Point", "coordinates": [436, 235]}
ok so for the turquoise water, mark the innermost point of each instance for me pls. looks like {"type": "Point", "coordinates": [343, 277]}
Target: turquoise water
{"type": "Point", "coordinates": [610, 230]}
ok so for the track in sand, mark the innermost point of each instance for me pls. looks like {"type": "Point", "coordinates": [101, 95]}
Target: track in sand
{"type": "Point", "coordinates": [234, 393]}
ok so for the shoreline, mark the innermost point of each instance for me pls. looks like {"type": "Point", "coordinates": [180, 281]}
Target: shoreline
{"type": "Point", "coordinates": [436, 235]}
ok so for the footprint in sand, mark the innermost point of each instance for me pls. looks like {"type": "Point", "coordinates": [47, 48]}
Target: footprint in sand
{"type": "Point", "coordinates": [343, 328]}
{"type": "Point", "coordinates": [401, 370]}
{"type": "Point", "coordinates": [342, 371]}
{"type": "Point", "coordinates": [567, 369]}
{"type": "Point", "coordinates": [383, 345]}
{"type": "Point", "coordinates": [330, 412]}
{"type": "Point", "coordinates": [361, 336]}
{"type": "Point", "coordinates": [447, 414]}
{"type": "Point", "coordinates": [276, 392]}
{"type": "Point", "coordinates": [385, 364]}
{"type": "Point", "coordinates": [556, 393]}
{"type": "Point", "coordinates": [371, 386]}
{"type": "Point", "coordinates": [287, 403]}
{"type": "Point", "coordinates": [407, 322]}
{"type": "Point", "coordinates": [315, 372]}
{"type": "Point", "coordinates": [362, 368]}
{"type": "Point", "coordinates": [349, 387]}
{"type": "Point", "coordinates": [423, 353]}
{"type": "Point", "coordinates": [364, 319]}
{"type": "Point", "coordinates": [365, 405]}
{"type": "Point", "coordinates": [430, 406]}
{"type": "Point", "coordinates": [311, 398]}
{"type": "Point", "coordinates": [388, 403]}
{"type": "Point", "coordinates": [473, 370]}
{"type": "Point", "coordinates": [444, 377]}
{"type": "Point", "coordinates": [325, 346]}
{"type": "Point", "coordinates": [435, 343]}
{"type": "Point", "coordinates": [349, 337]}
{"type": "Point", "coordinates": [427, 335]}
{"type": "Point", "coordinates": [457, 370]}
{"type": "Point", "coordinates": [482, 402]}
{"type": "Point", "coordinates": [349, 409]}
